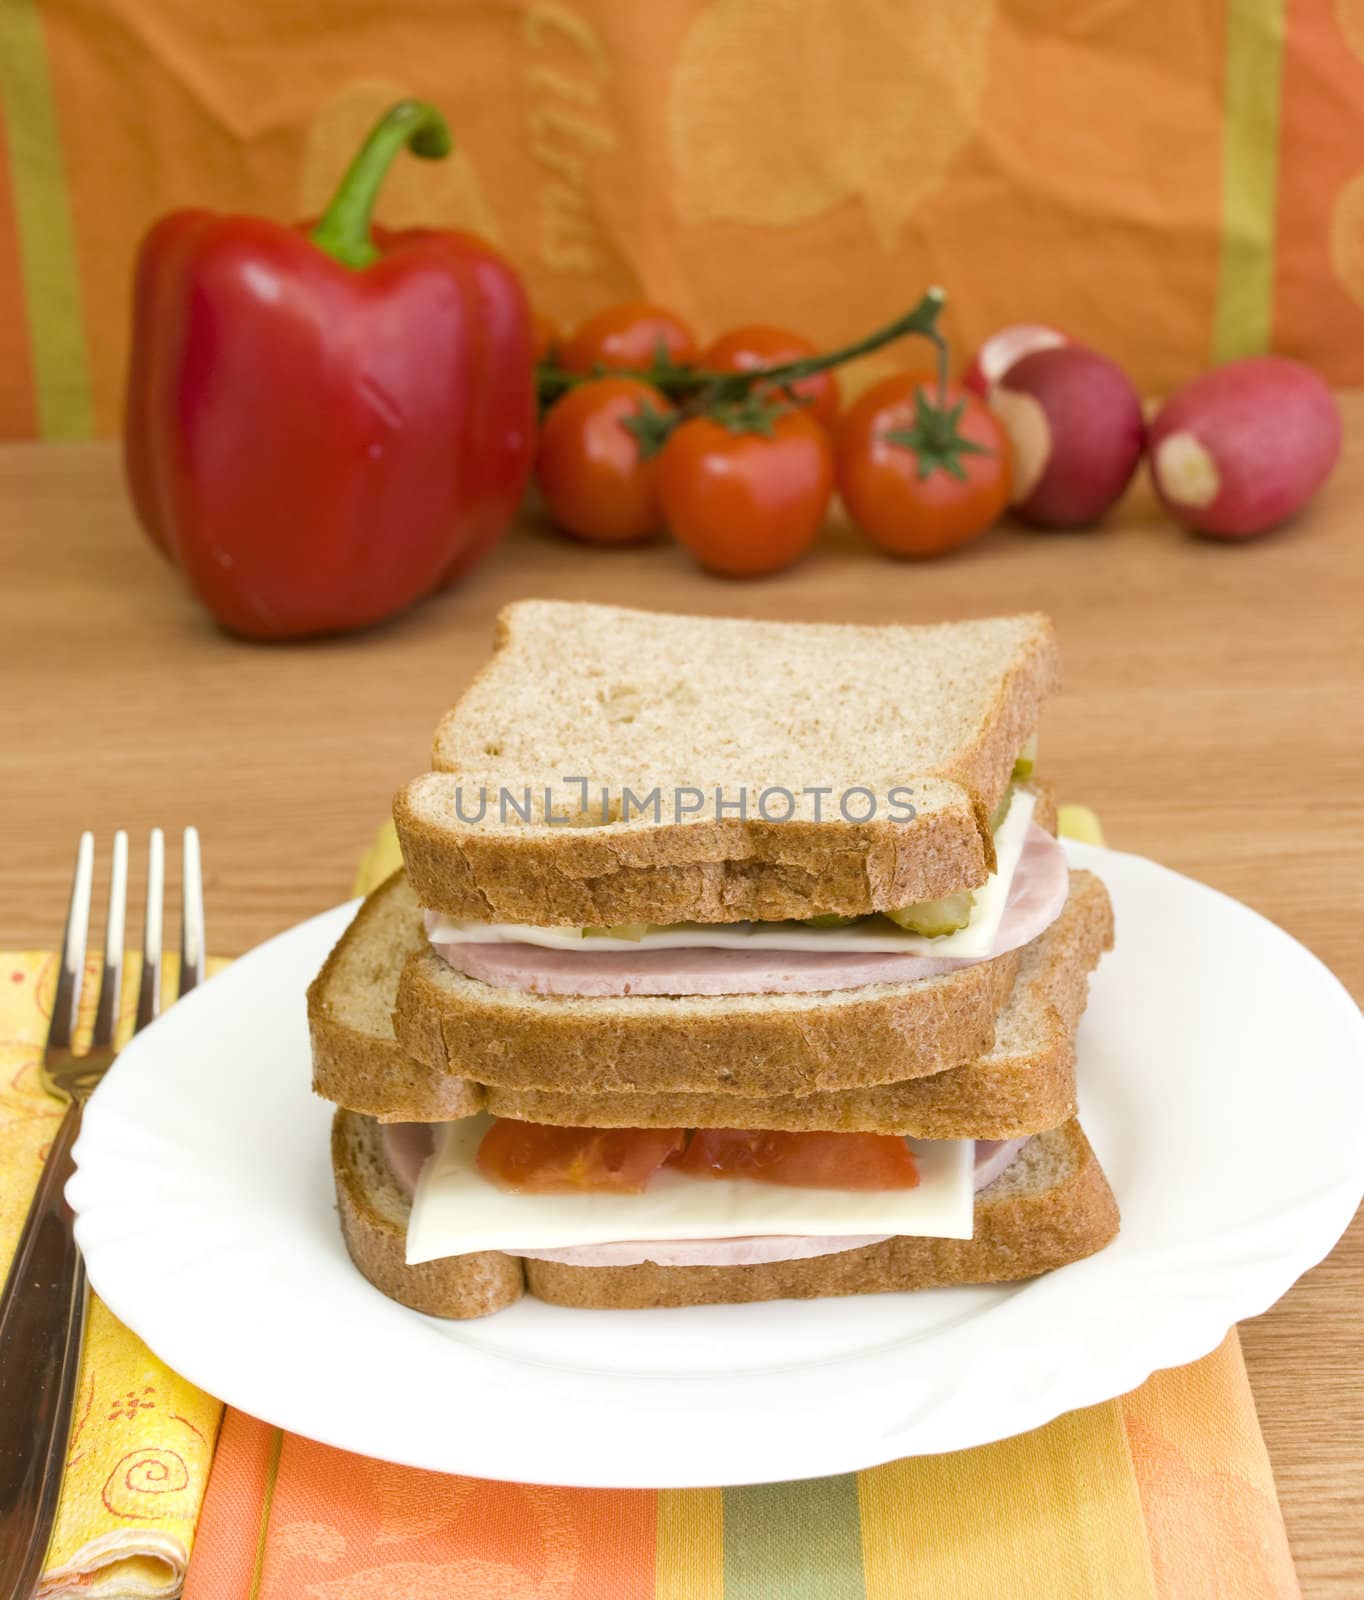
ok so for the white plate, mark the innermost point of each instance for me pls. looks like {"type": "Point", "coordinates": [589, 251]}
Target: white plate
{"type": "Point", "coordinates": [1222, 1083]}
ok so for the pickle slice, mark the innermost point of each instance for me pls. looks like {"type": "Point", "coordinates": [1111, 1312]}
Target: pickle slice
{"type": "Point", "coordinates": [1002, 810]}
{"type": "Point", "coordinates": [634, 931]}
{"type": "Point", "coordinates": [934, 918]}
{"type": "Point", "coordinates": [1026, 763]}
{"type": "Point", "coordinates": [829, 919]}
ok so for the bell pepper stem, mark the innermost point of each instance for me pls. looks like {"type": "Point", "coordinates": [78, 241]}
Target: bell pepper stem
{"type": "Point", "coordinates": [343, 231]}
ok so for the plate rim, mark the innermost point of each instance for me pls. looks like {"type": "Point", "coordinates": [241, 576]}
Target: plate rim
{"type": "Point", "coordinates": [1200, 1326]}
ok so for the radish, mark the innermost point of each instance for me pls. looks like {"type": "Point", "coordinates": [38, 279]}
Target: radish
{"type": "Point", "coordinates": [1002, 349]}
{"type": "Point", "coordinates": [1239, 450]}
{"type": "Point", "coordinates": [1074, 421]}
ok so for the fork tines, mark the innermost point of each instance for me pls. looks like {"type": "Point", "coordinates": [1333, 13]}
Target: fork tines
{"type": "Point", "coordinates": [66, 1003]}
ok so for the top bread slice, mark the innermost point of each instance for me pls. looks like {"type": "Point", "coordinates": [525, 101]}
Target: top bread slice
{"type": "Point", "coordinates": [637, 700]}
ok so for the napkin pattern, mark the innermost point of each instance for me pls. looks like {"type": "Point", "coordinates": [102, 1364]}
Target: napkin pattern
{"type": "Point", "coordinates": [143, 1437]}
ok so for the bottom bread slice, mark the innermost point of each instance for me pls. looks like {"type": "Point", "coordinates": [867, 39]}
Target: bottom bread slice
{"type": "Point", "coordinates": [374, 1212]}
{"type": "Point", "coordinates": [1052, 1206]}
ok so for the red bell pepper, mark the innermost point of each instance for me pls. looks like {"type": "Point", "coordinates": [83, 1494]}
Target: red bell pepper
{"type": "Point", "coordinates": [323, 427]}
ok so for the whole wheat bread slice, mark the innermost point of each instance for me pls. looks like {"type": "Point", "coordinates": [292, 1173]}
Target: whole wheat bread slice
{"type": "Point", "coordinates": [1051, 1207]}
{"type": "Point", "coordinates": [769, 1044]}
{"type": "Point", "coordinates": [357, 1060]}
{"type": "Point", "coordinates": [1024, 1084]}
{"type": "Point", "coordinates": [641, 700]}
{"type": "Point", "coordinates": [374, 1213]}
{"type": "Point", "coordinates": [753, 1045]}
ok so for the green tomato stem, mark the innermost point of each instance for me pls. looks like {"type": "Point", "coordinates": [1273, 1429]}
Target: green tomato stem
{"type": "Point", "coordinates": [704, 389]}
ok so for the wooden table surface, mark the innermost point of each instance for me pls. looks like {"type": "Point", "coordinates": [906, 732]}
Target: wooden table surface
{"type": "Point", "coordinates": [1212, 714]}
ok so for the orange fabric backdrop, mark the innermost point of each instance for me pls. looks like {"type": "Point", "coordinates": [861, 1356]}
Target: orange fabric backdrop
{"type": "Point", "coordinates": [1175, 180]}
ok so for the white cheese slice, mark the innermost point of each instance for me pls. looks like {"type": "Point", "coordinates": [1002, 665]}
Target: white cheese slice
{"type": "Point", "coordinates": [873, 935]}
{"type": "Point", "coordinates": [457, 1210]}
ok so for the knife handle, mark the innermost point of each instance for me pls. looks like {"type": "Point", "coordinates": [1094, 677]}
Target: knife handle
{"type": "Point", "coordinates": [42, 1323]}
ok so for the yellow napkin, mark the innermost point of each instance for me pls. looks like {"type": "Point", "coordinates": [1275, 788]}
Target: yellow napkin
{"type": "Point", "coordinates": [143, 1437]}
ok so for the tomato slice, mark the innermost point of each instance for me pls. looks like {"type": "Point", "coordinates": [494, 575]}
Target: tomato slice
{"type": "Point", "coordinates": [803, 1160]}
{"type": "Point", "coordinates": [534, 1158]}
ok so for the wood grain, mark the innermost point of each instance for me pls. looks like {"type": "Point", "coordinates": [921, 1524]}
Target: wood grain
{"type": "Point", "coordinates": [1212, 715]}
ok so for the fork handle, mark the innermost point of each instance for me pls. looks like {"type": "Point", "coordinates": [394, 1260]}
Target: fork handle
{"type": "Point", "coordinates": [42, 1321]}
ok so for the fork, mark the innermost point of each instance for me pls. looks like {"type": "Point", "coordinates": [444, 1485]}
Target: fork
{"type": "Point", "coordinates": [42, 1309]}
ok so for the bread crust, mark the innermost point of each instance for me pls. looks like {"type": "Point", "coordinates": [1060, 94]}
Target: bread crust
{"type": "Point", "coordinates": [380, 1079]}
{"type": "Point", "coordinates": [704, 871]}
{"type": "Point", "coordinates": [358, 1068]}
{"type": "Point", "coordinates": [750, 1045]}
{"type": "Point", "coordinates": [1025, 1084]}
{"type": "Point", "coordinates": [729, 869]}
{"type": "Point", "coordinates": [421, 1080]}
{"type": "Point", "coordinates": [374, 1227]}
{"type": "Point", "coordinates": [716, 1044]}
{"type": "Point", "coordinates": [1016, 1235]}
{"type": "Point", "coordinates": [1020, 1086]}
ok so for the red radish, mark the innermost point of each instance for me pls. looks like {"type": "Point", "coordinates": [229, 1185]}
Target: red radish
{"type": "Point", "coordinates": [1075, 424]}
{"type": "Point", "coordinates": [1002, 349]}
{"type": "Point", "coordinates": [1239, 450]}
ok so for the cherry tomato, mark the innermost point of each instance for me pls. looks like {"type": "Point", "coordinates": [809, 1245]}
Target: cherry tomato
{"type": "Point", "coordinates": [544, 335]}
{"type": "Point", "coordinates": [806, 1160]}
{"type": "Point", "coordinates": [627, 336]}
{"type": "Point", "coordinates": [917, 479]}
{"type": "Point", "coordinates": [591, 470]}
{"type": "Point", "coordinates": [537, 1159]}
{"type": "Point", "coordinates": [742, 349]}
{"type": "Point", "coordinates": [746, 503]}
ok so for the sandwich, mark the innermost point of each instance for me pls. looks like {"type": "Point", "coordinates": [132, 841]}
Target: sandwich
{"type": "Point", "coordinates": [730, 961]}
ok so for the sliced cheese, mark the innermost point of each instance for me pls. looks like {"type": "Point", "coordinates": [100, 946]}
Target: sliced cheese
{"type": "Point", "coordinates": [866, 936]}
{"type": "Point", "coordinates": [456, 1210]}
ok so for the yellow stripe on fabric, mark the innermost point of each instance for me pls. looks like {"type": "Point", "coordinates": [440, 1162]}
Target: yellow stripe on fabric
{"type": "Point", "coordinates": [1050, 1514]}
{"type": "Point", "coordinates": [381, 860]}
{"type": "Point", "coordinates": [689, 1561]}
{"type": "Point", "coordinates": [1079, 823]}
{"type": "Point", "coordinates": [47, 248]}
{"type": "Point", "coordinates": [1244, 323]}
{"type": "Point", "coordinates": [266, 1506]}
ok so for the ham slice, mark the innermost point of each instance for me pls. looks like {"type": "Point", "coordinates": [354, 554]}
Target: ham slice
{"type": "Point", "coordinates": [993, 1157]}
{"type": "Point", "coordinates": [749, 1252]}
{"type": "Point", "coordinates": [406, 1146]}
{"type": "Point", "coordinates": [1036, 895]}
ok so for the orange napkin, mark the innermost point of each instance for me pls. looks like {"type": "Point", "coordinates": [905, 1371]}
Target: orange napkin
{"type": "Point", "coordinates": [1164, 1494]}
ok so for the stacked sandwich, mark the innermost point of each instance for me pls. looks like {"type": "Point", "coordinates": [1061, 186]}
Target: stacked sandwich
{"type": "Point", "coordinates": [731, 961]}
